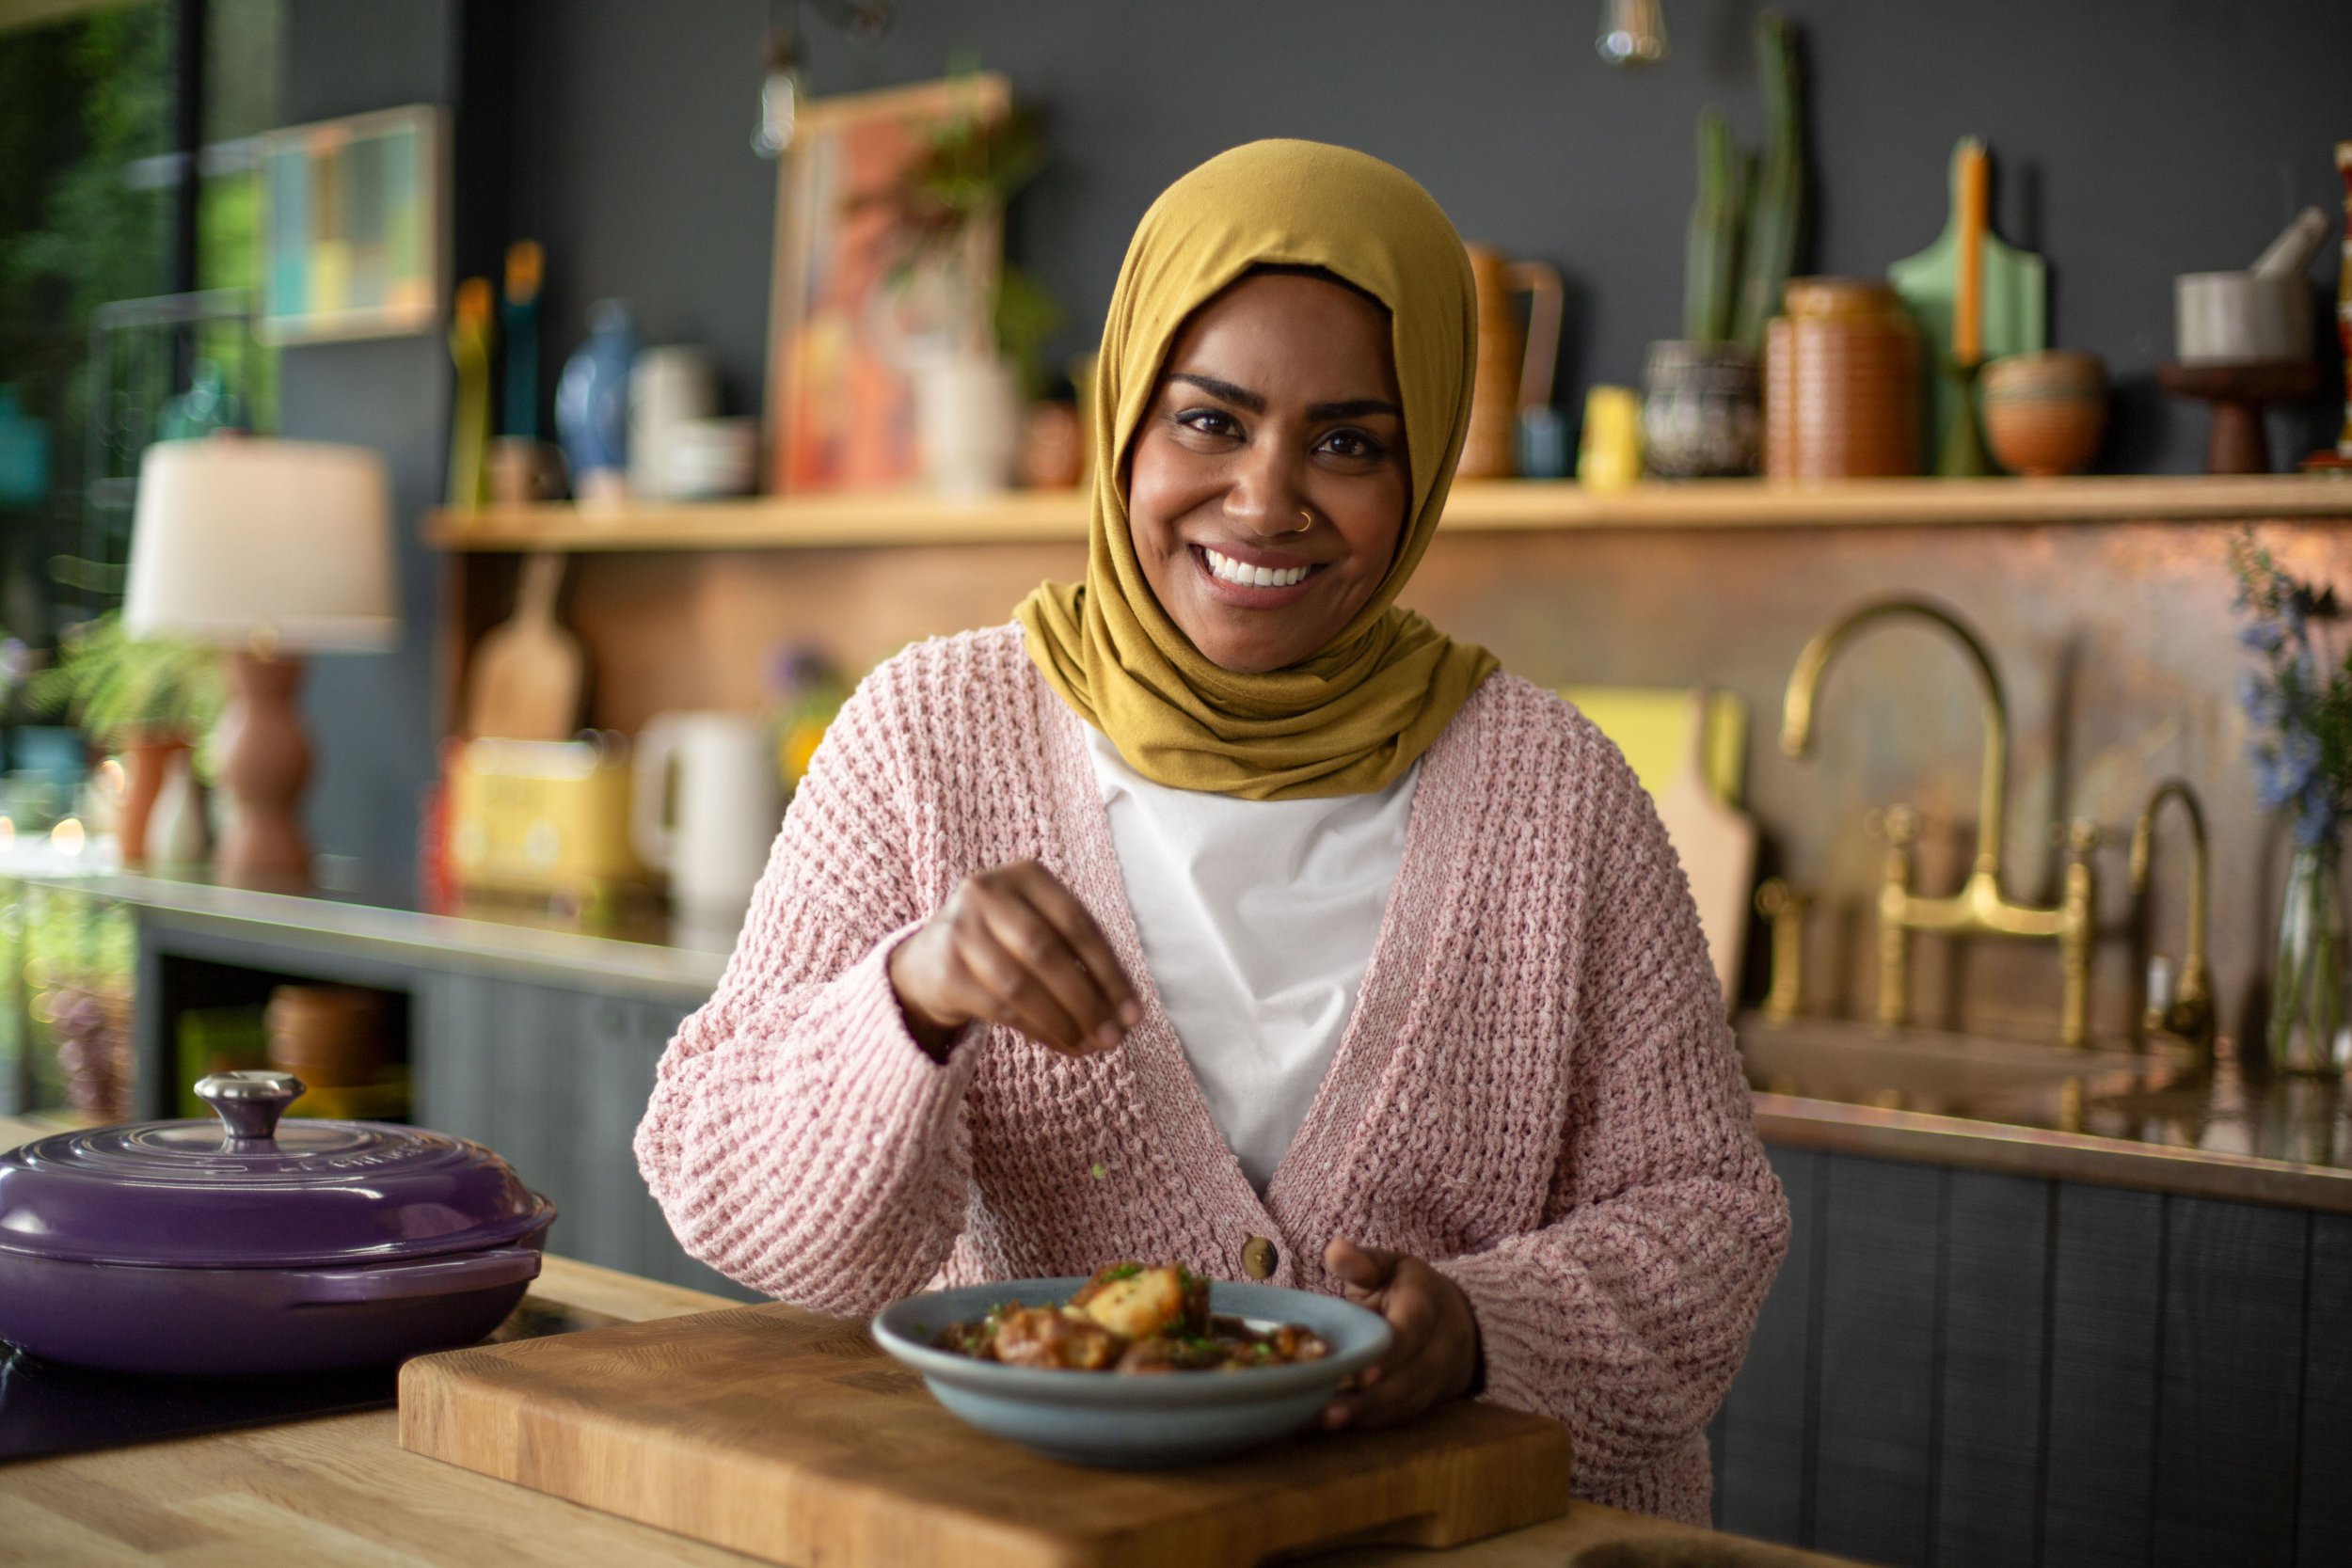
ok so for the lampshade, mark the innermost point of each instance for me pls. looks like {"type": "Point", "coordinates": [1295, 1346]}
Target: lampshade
{"type": "Point", "coordinates": [244, 540]}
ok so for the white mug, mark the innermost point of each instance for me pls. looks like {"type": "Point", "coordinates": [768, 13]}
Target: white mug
{"type": "Point", "coordinates": [705, 807]}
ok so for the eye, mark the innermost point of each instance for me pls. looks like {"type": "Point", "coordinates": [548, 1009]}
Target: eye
{"type": "Point", "coordinates": [1354, 445]}
{"type": "Point", "coordinates": [1208, 421]}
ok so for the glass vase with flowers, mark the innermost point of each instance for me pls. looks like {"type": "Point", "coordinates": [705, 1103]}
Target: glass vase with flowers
{"type": "Point", "coordinates": [2299, 701]}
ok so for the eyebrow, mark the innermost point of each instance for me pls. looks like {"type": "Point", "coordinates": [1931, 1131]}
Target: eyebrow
{"type": "Point", "coordinates": [1242, 397]}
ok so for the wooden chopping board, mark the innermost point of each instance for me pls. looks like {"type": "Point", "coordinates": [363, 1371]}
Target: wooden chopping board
{"type": "Point", "coordinates": [528, 672]}
{"type": "Point", "coordinates": [1688, 746]}
{"type": "Point", "coordinates": [1716, 845]}
{"type": "Point", "coordinates": [2015, 299]}
{"type": "Point", "coordinates": [790, 1436]}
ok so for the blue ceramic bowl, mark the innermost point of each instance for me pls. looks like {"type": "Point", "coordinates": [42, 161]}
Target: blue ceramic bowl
{"type": "Point", "coordinates": [1133, 1422]}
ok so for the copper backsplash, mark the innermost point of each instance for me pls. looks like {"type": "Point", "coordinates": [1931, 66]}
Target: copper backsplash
{"type": "Point", "coordinates": [2115, 642]}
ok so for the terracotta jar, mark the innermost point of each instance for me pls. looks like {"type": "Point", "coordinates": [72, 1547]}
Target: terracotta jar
{"type": "Point", "coordinates": [147, 762]}
{"type": "Point", "coordinates": [1841, 383]}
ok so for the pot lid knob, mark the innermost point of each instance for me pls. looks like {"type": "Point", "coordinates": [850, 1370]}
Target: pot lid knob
{"type": "Point", "coordinates": [249, 1104]}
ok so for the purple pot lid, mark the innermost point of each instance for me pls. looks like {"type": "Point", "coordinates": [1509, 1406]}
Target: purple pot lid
{"type": "Point", "coordinates": [240, 1192]}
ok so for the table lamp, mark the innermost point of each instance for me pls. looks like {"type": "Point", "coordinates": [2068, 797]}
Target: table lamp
{"type": "Point", "coordinates": [271, 549]}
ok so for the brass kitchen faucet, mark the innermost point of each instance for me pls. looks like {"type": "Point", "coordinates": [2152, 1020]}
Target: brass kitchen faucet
{"type": "Point", "coordinates": [2189, 1013]}
{"type": "Point", "coordinates": [1980, 907]}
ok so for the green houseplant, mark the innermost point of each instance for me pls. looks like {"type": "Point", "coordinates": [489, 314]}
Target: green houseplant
{"type": "Point", "coordinates": [1701, 417]}
{"type": "Point", "coordinates": [149, 698]}
{"type": "Point", "coordinates": [968, 174]}
{"type": "Point", "coordinates": [946, 210]}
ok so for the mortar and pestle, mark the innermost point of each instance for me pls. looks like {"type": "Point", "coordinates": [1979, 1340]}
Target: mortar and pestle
{"type": "Point", "coordinates": [2244, 340]}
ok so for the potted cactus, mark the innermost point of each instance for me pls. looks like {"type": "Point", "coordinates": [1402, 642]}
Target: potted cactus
{"type": "Point", "coordinates": [1701, 414]}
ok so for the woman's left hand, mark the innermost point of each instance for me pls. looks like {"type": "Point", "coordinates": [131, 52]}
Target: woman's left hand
{"type": "Point", "coordinates": [1434, 1355]}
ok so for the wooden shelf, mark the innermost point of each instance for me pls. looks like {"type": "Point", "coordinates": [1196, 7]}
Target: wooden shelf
{"type": "Point", "coordinates": [1034, 516]}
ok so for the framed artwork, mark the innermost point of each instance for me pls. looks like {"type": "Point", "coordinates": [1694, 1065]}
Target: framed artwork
{"type": "Point", "coordinates": [859, 302]}
{"type": "Point", "coordinates": [351, 231]}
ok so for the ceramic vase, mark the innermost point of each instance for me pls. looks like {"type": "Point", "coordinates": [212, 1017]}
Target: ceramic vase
{"type": "Point", "coordinates": [2308, 1029]}
{"type": "Point", "coordinates": [2045, 413]}
{"type": "Point", "coordinates": [1053, 449]}
{"type": "Point", "coordinates": [1700, 412]}
{"type": "Point", "coordinates": [967, 420]}
{"type": "Point", "coordinates": [591, 405]}
{"type": "Point", "coordinates": [1841, 383]}
{"type": "Point", "coordinates": [1515, 368]}
{"type": "Point", "coordinates": [175, 829]}
{"type": "Point", "coordinates": [146, 765]}
{"type": "Point", "coordinates": [667, 387]}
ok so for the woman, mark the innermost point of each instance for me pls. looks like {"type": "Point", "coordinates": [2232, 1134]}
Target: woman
{"type": "Point", "coordinates": [1222, 913]}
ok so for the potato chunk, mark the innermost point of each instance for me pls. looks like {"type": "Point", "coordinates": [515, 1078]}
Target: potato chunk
{"type": "Point", "coordinates": [1055, 1339]}
{"type": "Point", "coordinates": [1137, 1302]}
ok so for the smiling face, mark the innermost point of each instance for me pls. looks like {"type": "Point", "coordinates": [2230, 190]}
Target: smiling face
{"type": "Point", "coordinates": [1267, 484]}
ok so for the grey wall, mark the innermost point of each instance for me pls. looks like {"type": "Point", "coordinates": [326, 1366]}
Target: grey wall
{"type": "Point", "coordinates": [370, 714]}
{"type": "Point", "coordinates": [2133, 139]}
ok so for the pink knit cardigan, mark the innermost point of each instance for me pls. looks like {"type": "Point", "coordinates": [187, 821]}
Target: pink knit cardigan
{"type": "Point", "coordinates": [1537, 1091]}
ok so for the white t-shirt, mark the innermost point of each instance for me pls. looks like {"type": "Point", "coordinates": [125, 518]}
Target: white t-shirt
{"type": "Point", "coordinates": [1258, 920]}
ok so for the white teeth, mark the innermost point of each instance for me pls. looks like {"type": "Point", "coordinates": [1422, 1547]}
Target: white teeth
{"type": "Point", "coordinates": [1230, 570]}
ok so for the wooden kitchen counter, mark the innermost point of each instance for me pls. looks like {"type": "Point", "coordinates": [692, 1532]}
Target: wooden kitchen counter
{"type": "Point", "coordinates": [341, 1490]}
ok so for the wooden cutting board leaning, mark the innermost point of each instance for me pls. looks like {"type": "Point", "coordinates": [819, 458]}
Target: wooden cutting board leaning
{"type": "Point", "coordinates": [791, 1437]}
{"type": "Point", "coordinates": [528, 672]}
{"type": "Point", "coordinates": [2015, 292]}
{"type": "Point", "coordinates": [1688, 747]}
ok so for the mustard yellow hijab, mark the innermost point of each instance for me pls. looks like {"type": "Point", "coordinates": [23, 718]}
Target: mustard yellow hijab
{"type": "Point", "coordinates": [1359, 713]}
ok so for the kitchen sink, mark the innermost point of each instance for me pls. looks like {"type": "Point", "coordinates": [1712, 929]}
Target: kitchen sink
{"type": "Point", "coordinates": [1946, 1074]}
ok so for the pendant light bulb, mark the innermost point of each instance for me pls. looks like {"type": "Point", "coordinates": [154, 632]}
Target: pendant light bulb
{"type": "Point", "coordinates": [1632, 32]}
{"type": "Point", "coordinates": [779, 113]}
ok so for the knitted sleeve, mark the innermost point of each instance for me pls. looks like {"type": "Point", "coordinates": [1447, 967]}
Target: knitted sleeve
{"type": "Point", "coordinates": [1626, 1317]}
{"type": "Point", "coordinates": [797, 1140]}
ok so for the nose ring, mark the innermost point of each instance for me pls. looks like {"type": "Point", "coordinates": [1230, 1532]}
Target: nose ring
{"type": "Point", "coordinates": [1303, 527]}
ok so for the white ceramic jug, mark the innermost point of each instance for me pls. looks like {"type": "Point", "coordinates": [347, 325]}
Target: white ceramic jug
{"type": "Point", "coordinates": [707, 806]}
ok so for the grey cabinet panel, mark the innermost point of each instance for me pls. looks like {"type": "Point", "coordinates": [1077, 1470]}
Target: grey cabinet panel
{"type": "Point", "coordinates": [555, 1080]}
{"type": "Point", "coordinates": [534, 1040]}
{"type": "Point", "coordinates": [1996, 1234]}
{"type": "Point", "coordinates": [452, 1063]}
{"type": "Point", "coordinates": [616, 1065]}
{"type": "Point", "coordinates": [1761, 1448]}
{"type": "Point", "coordinates": [2323, 1532]}
{"type": "Point", "coordinates": [1873, 1480]}
{"type": "Point", "coordinates": [2229, 1417]}
{"type": "Point", "coordinates": [2105, 1296]}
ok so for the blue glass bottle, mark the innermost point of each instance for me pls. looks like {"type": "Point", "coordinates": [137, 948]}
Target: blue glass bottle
{"type": "Point", "coordinates": [592, 403]}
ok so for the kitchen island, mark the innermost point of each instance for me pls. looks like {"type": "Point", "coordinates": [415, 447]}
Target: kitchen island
{"type": "Point", "coordinates": [339, 1489]}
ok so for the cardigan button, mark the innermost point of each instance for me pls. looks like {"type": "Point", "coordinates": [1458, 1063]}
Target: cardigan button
{"type": "Point", "coordinates": [1258, 1258]}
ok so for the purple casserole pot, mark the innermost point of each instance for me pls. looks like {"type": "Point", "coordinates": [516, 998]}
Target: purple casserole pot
{"type": "Point", "coordinates": [230, 1248]}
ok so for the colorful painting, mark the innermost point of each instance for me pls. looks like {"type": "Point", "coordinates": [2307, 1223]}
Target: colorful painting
{"type": "Point", "coordinates": [351, 227]}
{"type": "Point", "coordinates": [856, 306]}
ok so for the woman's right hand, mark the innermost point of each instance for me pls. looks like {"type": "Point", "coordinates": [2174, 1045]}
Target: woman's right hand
{"type": "Point", "coordinates": [1011, 946]}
